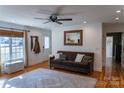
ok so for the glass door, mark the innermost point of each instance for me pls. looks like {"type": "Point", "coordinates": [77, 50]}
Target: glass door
{"type": "Point", "coordinates": [11, 49]}
{"type": "Point", "coordinates": [5, 49]}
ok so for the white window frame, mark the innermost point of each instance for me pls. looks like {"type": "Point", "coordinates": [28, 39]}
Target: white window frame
{"type": "Point", "coordinates": [45, 45]}
{"type": "Point", "coordinates": [11, 52]}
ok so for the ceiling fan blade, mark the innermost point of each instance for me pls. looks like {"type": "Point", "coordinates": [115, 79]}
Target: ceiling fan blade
{"type": "Point", "coordinates": [41, 18]}
{"type": "Point", "coordinates": [58, 22]}
{"type": "Point", "coordinates": [47, 22]}
{"type": "Point", "coordinates": [68, 19]}
{"type": "Point", "coordinates": [58, 10]}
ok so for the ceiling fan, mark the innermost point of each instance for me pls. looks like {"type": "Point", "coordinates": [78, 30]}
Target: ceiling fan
{"type": "Point", "coordinates": [54, 18]}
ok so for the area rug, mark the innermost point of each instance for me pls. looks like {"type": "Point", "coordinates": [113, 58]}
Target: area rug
{"type": "Point", "coordinates": [45, 78]}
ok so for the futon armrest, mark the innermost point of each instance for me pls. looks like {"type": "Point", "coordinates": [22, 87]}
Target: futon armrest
{"type": "Point", "coordinates": [52, 57]}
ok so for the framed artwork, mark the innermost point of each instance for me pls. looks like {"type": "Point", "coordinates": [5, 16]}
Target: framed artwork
{"type": "Point", "coordinates": [74, 37]}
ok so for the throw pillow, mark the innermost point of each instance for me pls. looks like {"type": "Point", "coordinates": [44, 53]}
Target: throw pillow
{"type": "Point", "coordinates": [56, 56]}
{"type": "Point", "coordinates": [87, 59]}
{"type": "Point", "coordinates": [79, 57]}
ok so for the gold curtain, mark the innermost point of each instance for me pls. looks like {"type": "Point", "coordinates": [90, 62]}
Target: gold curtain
{"type": "Point", "coordinates": [26, 48]}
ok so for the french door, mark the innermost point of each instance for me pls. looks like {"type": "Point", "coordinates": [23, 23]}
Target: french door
{"type": "Point", "coordinates": [11, 49]}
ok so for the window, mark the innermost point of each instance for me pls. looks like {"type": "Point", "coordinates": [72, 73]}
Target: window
{"type": "Point", "coordinates": [47, 42]}
{"type": "Point", "coordinates": [11, 49]}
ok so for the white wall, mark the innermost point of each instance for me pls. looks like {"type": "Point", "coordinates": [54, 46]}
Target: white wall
{"type": "Point", "coordinates": [33, 58]}
{"type": "Point", "coordinates": [37, 58]}
{"type": "Point", "coordinates": [92, 41]}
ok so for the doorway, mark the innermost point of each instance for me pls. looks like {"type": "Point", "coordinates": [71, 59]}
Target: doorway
{"type": "Point", "coordinates": [114, 46]}
{"type": "Point", "coordinates": [113, 55]}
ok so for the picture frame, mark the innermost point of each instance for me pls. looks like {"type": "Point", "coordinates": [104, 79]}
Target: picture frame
{"type": "Point", "coordinates": [73, 37]}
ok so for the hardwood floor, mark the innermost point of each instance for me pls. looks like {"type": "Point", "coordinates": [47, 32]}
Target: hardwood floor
{"type": "Point", "coordinates": [27, 69]}
{"type": "Point", "coordinates": [111, 77]}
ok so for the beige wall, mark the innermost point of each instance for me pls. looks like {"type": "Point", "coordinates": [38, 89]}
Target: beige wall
{"type": "Point", "coordinates": [110, 27]}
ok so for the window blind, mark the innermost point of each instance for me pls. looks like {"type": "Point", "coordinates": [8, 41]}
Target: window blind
{"type": "Point", "coordinates": [9, 33]}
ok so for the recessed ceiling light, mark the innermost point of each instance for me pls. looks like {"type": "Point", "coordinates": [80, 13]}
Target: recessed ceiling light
{"type": "Point", "coordinates": [117, 18]}
{"type": "Point", "coordinates": [84, 22]}
{"type": "Point", "coordinates": [118, 11]}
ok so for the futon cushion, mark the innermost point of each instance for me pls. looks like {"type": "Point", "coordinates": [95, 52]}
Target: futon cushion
{"type": "Point", "coordinates": [62, 56]}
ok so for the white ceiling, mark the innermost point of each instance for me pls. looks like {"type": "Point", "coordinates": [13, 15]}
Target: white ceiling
{"type": "Point", "coordinates": [25, 14]}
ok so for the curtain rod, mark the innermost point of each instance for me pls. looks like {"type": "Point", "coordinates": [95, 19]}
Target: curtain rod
{"type": "Point", "coordinates": [14, 29]}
